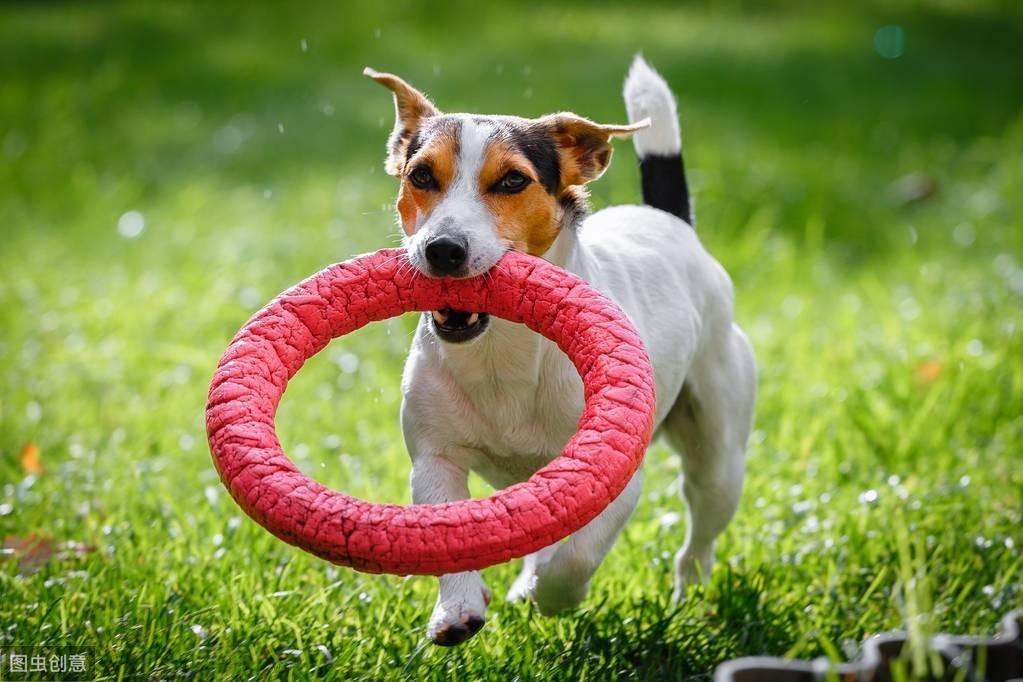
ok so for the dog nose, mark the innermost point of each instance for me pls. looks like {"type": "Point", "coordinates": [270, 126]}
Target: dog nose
{"type": "Point", "coordinates": [447, 255]}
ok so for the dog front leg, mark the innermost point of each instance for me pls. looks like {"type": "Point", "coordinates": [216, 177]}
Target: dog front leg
{"type": "Point", "coordinates": [463, 597]}
{"type": "Point", "coordinates": [563, 581]}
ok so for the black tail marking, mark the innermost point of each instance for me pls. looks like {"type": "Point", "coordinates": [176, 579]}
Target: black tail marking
{"type": "Point", "coordinates": [664, 184]}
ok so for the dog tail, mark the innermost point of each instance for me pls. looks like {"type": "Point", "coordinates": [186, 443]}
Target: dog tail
{"type": "Point", "coordinates": [659, 147]}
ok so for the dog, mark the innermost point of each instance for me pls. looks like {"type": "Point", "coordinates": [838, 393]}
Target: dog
{"type": "Point", "coordinates": [491, 396]}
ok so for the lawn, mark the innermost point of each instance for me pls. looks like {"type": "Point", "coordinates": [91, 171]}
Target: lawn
{"type": "Point", "coordinates": [166, 169]}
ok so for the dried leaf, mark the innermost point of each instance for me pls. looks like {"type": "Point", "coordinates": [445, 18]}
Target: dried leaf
{"type": "Point", "coordinates": [913, 188]}
{"type": "Point", "coordinates": [928, 372]}
{"type": "Point", "coordinates": [31, 551]}
{"type": "Point", "coordinates": [30, 459]}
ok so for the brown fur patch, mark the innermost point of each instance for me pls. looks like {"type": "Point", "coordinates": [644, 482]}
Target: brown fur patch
{"type": "Point", "coordinates": [528, 220]}
{"type": "Point", "coordinates": [411, 108]}
{"type": "Point", "coordinates": [584, 147]}
{"type": "Point", "coordinates": [440, 155]}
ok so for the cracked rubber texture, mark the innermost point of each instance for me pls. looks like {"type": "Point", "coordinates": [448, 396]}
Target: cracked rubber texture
{"type": "Point", "coordinates": [594, 467]}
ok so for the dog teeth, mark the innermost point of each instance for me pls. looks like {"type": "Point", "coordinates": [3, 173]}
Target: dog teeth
{"type": "Point", "coordinates": [472, 319]}
{"type": "Point", "coordinates": [439, 317]}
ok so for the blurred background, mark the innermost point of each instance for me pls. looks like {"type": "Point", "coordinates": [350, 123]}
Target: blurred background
{"type": "Point", "coordinates": [167, 168]}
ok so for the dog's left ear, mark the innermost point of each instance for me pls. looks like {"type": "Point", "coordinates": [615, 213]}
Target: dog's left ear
{"type": "Point", "coordinates": [411, 108]}
{"type": "Point", "coordinates": [584, 147]}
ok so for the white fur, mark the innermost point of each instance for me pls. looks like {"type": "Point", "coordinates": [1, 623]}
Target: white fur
{"type": "Point", "coordinates": [504, 404]}
{"type": "Point", "coordinates": [648, 96]}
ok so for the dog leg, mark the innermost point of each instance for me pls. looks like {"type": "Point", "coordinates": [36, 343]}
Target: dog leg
{"type": "Point", "coordinates": [562, 581]}
{"type": "Point", "coordinates": [463, 597]}
{"type": "Point", "coordinates": [524, 584]}
{"type": "Point", "coordinates": [709, 426]}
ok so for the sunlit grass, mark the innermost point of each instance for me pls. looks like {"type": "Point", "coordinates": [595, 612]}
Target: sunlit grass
{"type": "Point", "coordinates": [884, 475]}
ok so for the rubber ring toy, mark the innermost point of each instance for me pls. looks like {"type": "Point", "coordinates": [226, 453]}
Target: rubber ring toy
{"type": "Point", "coordinates": [559, 499]}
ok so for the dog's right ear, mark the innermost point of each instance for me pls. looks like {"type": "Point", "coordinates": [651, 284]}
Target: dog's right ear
{"type": "Point", "coordinates": [411, 108]}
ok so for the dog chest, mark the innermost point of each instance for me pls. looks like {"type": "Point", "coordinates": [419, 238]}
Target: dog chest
{"type": "Point", "coordinates": [522, 425]}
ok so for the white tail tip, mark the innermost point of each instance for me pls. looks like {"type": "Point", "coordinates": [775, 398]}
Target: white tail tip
{"type": "Point", "coordinates": [648, 96]}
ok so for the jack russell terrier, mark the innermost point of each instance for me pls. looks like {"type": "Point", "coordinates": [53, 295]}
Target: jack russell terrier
{"type": "Point", "coordinates": [490, 396]}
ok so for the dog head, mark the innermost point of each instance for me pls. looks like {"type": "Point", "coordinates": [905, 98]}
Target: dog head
{"type": "Point", "coordinates": [473, 186]}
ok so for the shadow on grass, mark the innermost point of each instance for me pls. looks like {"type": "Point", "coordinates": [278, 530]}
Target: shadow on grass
{"type": "Point", "coordinates": [638, 639]}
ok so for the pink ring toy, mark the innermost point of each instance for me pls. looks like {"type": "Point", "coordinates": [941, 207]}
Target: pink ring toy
{"type": "Point", "coordinates": [594, 467]}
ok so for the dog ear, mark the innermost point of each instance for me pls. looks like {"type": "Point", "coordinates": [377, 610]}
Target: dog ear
{"type": "Point", "coordinates": [411, 108]}
{"type": "Point", "coordinates": [584, 147]}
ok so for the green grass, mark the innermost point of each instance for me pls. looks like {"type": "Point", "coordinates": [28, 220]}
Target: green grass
{"type": "Point", "coordinates": [885, 473]}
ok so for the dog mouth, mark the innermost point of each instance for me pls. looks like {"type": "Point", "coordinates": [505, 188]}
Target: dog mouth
{"type": "Point", "coordinates": [458, 326]}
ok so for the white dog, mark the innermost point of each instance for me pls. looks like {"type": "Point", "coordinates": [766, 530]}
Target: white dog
{"type": "Point", "coordinates": [494, 397]}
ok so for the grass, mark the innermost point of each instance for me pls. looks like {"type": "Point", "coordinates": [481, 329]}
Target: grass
{"type": "Point", "coordinates": [884, 476]}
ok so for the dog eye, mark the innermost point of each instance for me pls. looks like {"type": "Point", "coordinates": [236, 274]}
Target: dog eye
{"type": "Point", "coordinates": [422, 178]}
{"type": "Point", "coordinates": [512, 182]}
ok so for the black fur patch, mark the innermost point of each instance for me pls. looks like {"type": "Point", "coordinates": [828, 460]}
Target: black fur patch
{"type": "Point", "coordinates": [538, 146]}
{"type": "Point", "coordinates": [414, 145]}
{"type": "Point", "coordinates": [428, 129]}
{"type": "Point", "coordinates": [664, 185]}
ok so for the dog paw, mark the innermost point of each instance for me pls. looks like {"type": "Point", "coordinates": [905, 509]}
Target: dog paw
{"type": "Point", "coordinates": [453, 634]}
{"type": "Point", "coordinates": [555, 589]}
{"type": "Point", "coordinates": [551, 600]}
{"type": "Point", "coordinates": [456, 620]}
{"type": "Point", "coordinates": [522, 588]}
{"type": "Point", "coordinates": [690, 569]}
